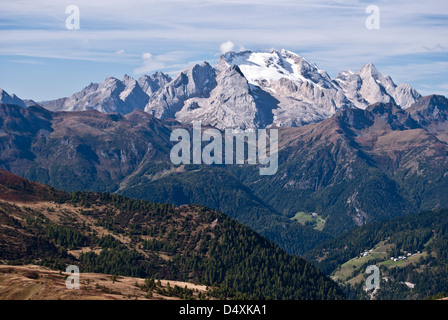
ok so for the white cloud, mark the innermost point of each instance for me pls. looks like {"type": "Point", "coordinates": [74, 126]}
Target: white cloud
{"type": "Point", "coordinates": [151, 63]}
{"type": "Point", "coordinates": [226, 46]}
{"type": "Point", "coordinates": [146, 56]}
{"type": "Point", "coordinates": [167, 62]}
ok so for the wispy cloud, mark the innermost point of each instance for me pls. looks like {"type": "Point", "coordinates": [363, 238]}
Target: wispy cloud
{"type": "Point", "coordinates": [329, 32]}
{"type": "Point", "coordinates": [27, 61]}
{"type": "Point", "coordinates": [167, 62]}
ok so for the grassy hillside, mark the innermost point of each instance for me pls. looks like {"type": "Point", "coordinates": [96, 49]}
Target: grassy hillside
{"type": "Point", "coordinates": [112, 234]}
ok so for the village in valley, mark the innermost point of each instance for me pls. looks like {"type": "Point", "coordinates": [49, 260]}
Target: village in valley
{"type": "Point", "coordinates": [382, 255]}
{"type": "Point", "coordinates": [405, 255]}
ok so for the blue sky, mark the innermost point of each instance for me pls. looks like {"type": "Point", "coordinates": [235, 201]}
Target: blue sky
{"type": "Point", "coordinates": [41, 59]}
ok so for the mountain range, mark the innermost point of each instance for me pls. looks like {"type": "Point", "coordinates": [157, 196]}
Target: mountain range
{"type": "Point", "coordinates": [356, 167]}
{"type": "Point", "coordinates": [243, 90]}
{"type": "Point", "coordinates": [112, 95]}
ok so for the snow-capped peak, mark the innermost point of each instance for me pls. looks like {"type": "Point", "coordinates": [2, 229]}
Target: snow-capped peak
{"type": "Point", "coordinates": [272, 66]}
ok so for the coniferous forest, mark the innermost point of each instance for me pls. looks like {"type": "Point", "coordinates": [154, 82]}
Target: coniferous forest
{"type": "Point", "coordinates": [112, 234]}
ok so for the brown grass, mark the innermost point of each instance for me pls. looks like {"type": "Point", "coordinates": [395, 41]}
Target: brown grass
{"type": "Point", "coordinates": [33, 282]}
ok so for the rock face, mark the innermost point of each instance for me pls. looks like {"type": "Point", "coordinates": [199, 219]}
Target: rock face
{"type": "Point", "coordinates": [151, 84]}
{"type": "Point", "coordinates": [195, 82]}
{"type": "Point", "coordinates": [243, 90]}
{"type": "Point", "coordinates": [229, 104]}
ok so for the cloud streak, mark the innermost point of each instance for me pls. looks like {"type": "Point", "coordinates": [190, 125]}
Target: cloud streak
{"type": "Point", "coordinates": [168, 62]}
{"type": "Point", "coordinates": [174, 32]}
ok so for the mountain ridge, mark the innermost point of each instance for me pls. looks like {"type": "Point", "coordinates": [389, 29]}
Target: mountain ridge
{"type": "Point", "coordinates": [356, 167]}
{"type": "Point", "coordinates": [243, 90]}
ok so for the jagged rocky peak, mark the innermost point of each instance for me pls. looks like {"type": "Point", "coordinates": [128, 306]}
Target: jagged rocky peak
{"type": "Point", "coordinates": [151, 84]}
{"type": "Point", "coordinates": [284, 89]}
{"type": "Point", "coordinates": [375, 88]}
{"type": "Point", "coordinates": [112, 95]}
{"type": "Point", "coordinates": [369, 86]}
{"type": "Point", "coordinates": [430, 110]}
{"type": "Point", "coordinates": [128, 79]}
{"type": "Point", "coordinates": [394, 116]}
{"type": "Point", "coordinates": [229, 105]}
{"type": "Point", "coordinates": [369, 70]}
{"type": "Point", "coordinates": [383, 108]}
{"type": "Point", "coordinates": [200, 78]}
{"type": "Point", "coordinates": [111, 83]}
{"type": "Point", "coordinates": [405, 95]}
{"type": "Point", "coordinates": [92, 86]}
{"type": "Point", "coordinates": [196, 81]}
{"type": "Point", "coordinates": [11, 99]}
{"type": "Point", "coordinates": [276, 87]}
